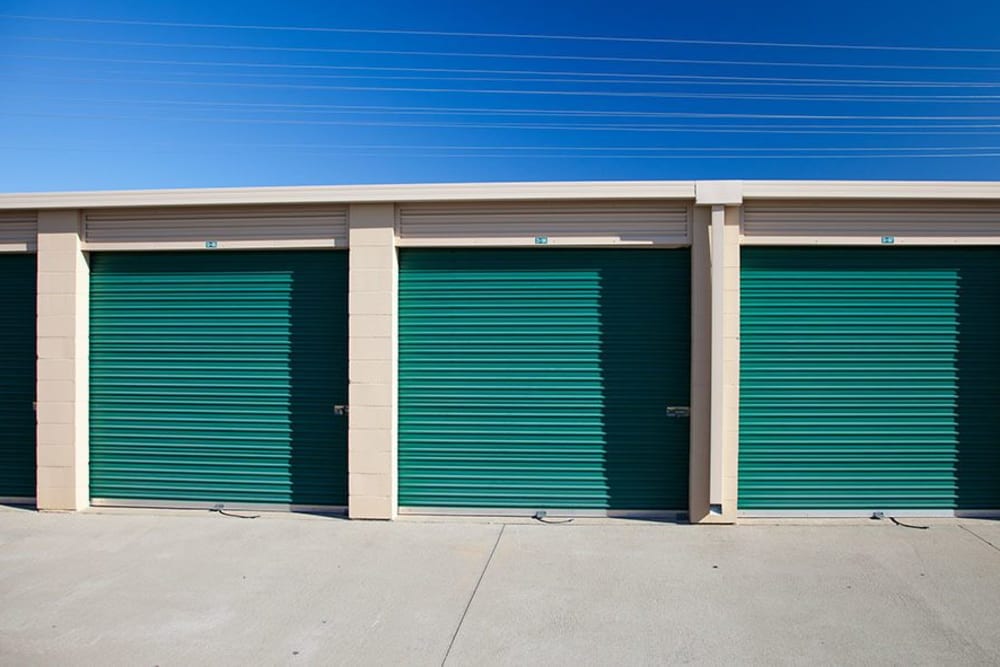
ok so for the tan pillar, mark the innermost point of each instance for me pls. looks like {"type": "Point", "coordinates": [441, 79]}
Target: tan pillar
{"type": "Point", "coordinates": [716, 334]}
{"type": "Point", "coordinates": [372, 328]}
{"type": "Point", "coordinates": [731, 366]}
{"type": "Point", "coordinates": [701, 365]}
{"type": "Point", "coordinates": [63, 370]}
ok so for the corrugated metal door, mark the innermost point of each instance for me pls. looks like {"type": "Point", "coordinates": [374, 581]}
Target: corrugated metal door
{"type": "Point", "coordinates": [540, 378]}
{"type": "Point", "coordinates": [868, 378]}
{"type": "Point", "coordinates": [17, 375]}
{"type": "Point", "coordinates": [214, 376]}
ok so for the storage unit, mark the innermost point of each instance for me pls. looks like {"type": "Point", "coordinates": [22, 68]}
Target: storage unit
{"type": "Point", "coordinates": [723, 348]}
{"type": "Point", "coordinates": [540, 378]}
{"type": "Point", "coordinates": [17, 375]}
{"type": "Point", "coordinates": [214, 377]}
{"type": "Point", "coordinates": [868, 378]}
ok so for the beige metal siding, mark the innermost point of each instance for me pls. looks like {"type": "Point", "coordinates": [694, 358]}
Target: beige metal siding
{"type": "Point", "coordinates": [868, 222]}
{"type": "Point", "coordinates": [18, 231]}
{"type": "Point", "coordinates": [558, 222]}
{"type": "Point", "coordinates": [228, 227]}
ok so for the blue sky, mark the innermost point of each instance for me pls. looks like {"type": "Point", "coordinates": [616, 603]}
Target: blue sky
{"type": "Point", "coordinates": [104, 105]}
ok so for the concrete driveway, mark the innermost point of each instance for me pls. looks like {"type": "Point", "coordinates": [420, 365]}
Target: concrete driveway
{"type": "Point", "coordinates": [192, 588]}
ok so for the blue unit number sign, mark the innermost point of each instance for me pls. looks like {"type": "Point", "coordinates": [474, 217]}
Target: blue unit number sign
{"type": "Point", "coordinates": [541, 240]}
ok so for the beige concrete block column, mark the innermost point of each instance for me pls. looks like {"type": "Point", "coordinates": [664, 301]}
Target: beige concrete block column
{"type": "Point", "coordinates": [372, 314]}
{"type": "Point", "coordinates": [715, 334]}
{"type": "Point", "coordinates": [62, 392]}
{"type": "Point", "coordinates": [701, 365]}
{"type": "Point", "coordinates": [731, 365]}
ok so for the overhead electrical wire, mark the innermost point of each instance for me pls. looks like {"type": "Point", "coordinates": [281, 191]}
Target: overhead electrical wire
{"type": "Point", "coordinates": [509, 111]}
{"type": "Point", "coordinates": [540, 82]}
{"type": "Point", "coordinates": [599, 76]}
{"type": "Point", "coordinates": [603, 157]}
{"type": "Point", "coordinates": [616, 127]}
{"type": "Point", "coordinates": [271, 107]}
{"type": "Point", "coordinates": [949, 99]}
{"type": "Point", "coordinates": [509, 56]}
{"type": "Point", "coordinates": [500, 35]}
{"type": "Point", "coordinates": [574, 149]}
{"type": "Point", "coordinates": [537, 77]}
{"type": "Point", "coordinates": [535, 111]}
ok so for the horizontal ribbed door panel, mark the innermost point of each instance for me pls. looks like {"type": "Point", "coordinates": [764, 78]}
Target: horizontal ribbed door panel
{"type": "Point", "coordinates": [17, 375]}
{"type": "Point", "coordinates": [560, 222]}
{"type": "Point", "coordinates": [214, 376]}
{"type": "Point", "coordinates": [540, 378]}
{"type": "Point", "coordinates": [868, 378]}
{"type": "Point", "coordinates": [242, 227]}
{"type": "Point", "coordinates": [18, 231]}
{"type": "Point", "coordinates": [849, 222]}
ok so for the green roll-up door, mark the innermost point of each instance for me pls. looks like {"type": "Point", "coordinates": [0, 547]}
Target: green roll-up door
{"type": "Point", "coordinates": [540, 378]}
{"type": "Point", "coordinates": [869, 378]}
{"type": "Point", "coordinates": [17, 375]}
{"type": "Point", "coordinates": [214, 377]}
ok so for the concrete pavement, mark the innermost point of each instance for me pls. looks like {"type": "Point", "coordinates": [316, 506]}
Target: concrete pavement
{"type": "Point", "coordinates": [191, 588]}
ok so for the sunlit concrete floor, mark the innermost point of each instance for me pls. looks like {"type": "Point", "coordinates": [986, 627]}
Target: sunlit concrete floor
{"type": "Point", "coordinates": [154, 587]}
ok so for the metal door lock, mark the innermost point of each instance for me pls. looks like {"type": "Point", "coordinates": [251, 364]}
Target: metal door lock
{"type": "Point", "coordinates": [678, 411]}
{"type": "Point", "coordinates": [340, 409]}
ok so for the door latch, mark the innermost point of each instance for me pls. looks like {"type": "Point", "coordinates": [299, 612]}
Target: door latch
{"type": "Point", "coordinates": [340, 409]}
{"type": "Point", "coordinates": [677, 411]}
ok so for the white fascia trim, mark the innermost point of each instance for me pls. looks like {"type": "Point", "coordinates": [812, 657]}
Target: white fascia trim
{"type": "Point", "coordinates": [707, 192]}
{"type": "Point", "coordinates": [871, 189]}
{"type": "Point", "coordinates": [714, 193]}
{"type": "Point", "coordinates": [353, 194]}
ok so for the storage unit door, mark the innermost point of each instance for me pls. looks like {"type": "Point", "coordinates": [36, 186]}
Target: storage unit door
{"type": "Point", "coordinates": [869, 379]}
{"type": "Point", "coordinates": [540, 378]}
{"type": "Point", "coordinates": [17, 376]}
{"type": "Point", "coordinates": [214, 377]}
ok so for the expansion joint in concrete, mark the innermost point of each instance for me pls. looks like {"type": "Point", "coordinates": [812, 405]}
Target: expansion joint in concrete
{"type": "Point", "coordinates": [472, 597]}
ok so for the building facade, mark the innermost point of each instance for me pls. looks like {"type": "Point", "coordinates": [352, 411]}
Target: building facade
{"type": "Point", "coordinates": [710, 349]}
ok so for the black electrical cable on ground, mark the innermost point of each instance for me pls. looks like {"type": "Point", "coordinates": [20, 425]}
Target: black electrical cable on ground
{"type": "Point", "coordinates": [878, 516]}
{"type": "Point", "coordinates": [235, 516]}
{"type": "Point", "coordinates": [550, 521]}
{"type": "Point", "coordinates": [907, 525]}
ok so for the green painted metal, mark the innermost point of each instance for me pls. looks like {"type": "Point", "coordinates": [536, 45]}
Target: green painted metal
{"type": "Point", "coordinates": [214, 375]}
{"type": "Point", "coordinates": [869, 378]}
{"type": "Point", "coordinates": [539, 378]}
{"type": "Point", "coordinates": [17, 375]}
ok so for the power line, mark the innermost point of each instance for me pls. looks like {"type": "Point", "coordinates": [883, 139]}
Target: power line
{"type": "Point", "coordinates": [453, 70]}
{"type": "Point", "coordinates": [503, 79]}
{"type": "Point", "coordinates": [616, 127]}
{"type": "Point", "coordinates": [563, 157]}
{"type": "Point", "coordinates": [950, 99]}
{"type": "Point", "coordinates": [493, 35]}
{"type": "Point", "coordinates": [509, 56]}
{"type": "Point", "coordinates": [688, 149]}
{"type": "Point", "coordinates": [500, 111]}
{"type": "Point", "coordinates": [610, 79]}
